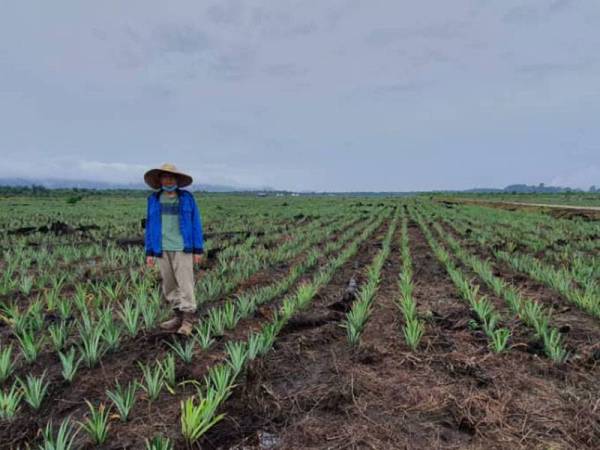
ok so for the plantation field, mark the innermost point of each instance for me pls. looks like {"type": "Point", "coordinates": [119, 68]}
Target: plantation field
{"type": "Point", "coordinates": [323, 322]}
{"type": "Point", "coordinates": [568, 199]}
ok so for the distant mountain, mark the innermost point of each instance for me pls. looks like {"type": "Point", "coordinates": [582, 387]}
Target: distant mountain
{"type": "Point", "coordinates": [539, 189]}
{"type": "Point", "coordinates": [529, 189]}
{"type": "Point", "coordinates": [57, 183]}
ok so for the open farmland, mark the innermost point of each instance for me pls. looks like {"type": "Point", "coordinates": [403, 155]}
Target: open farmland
{"type": "Point", "coordinates": [575, 199]}
{"type": "Point", "coordinates": [324, 322]}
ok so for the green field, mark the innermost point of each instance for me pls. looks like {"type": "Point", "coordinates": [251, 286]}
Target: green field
{"type": "Point", "coordinates": [323, 322]}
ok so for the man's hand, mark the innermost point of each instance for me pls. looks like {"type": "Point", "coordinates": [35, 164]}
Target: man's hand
{"type": "Point", "coordinates": [197, 259]}
{"type": "Point", "coordinates": [150, 261]}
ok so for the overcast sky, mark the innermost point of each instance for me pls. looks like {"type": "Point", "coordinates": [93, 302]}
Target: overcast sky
{"type": "Point", "coordinates": [309, 95]}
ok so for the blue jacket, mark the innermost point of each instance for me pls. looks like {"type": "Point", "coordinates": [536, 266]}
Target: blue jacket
{"type": "Point", "coordinates": [190, 224]}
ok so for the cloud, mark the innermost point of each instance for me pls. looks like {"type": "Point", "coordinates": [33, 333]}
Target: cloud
{"type": "Point", "coordinates": [157, 92]}
{"type": "Point", "coordinates": [72, 168]}
{"type": "Point", "coordinates": [228, 130]}
{"type": "Point", "coordinates": [286, 70]}
{"type": "Point", "coordinates": [542, 70]}
{"type": "Point", "coordinates": [228, 174]}
{"type": "Point", "coordinates": [76, 169]}
{"type": "Point", "coordinates": [560, 5]}
{"type": "Point", "coordinates": [528, 14]}
{"type": "Point", "coordinates": [408, 87]}
{"type": "Point", "coordinates": [185, 51]}
{"type": "Point", "coordinates": [108, 170]}
{"type": "Point", "coordinates": [386, 36]}
{"type": "Point", "coordinates": [248, 92]}
{"type": "Point", "coordinates": [181, 38]}
{"type": "Point", "coordinates": [273, 20]}
{"type": "Point", "coordinates": [522, 15]}
{"type": "Point", "coordinates": [337, 13]}
{"type": "Point", "coordinates": [278, 23]}
{"type": "Point", "coordinates": [226, 12]}
{"type": "Point", "coordinates": [132, 50]}
{"type": "Point", "coordinates": [99, 34]}
{"type": "Point", "coordinates": [233, 63]}
{"type": "Point", "coordinates": [139, 48]}
{"type": "Point", "coordinates": [582, 178]}
{"type": "Point", "coordinates": [429, 57]}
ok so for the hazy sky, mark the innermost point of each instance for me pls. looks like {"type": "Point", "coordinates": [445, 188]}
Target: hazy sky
{"type": "Point", "coordinates": [312, 94]}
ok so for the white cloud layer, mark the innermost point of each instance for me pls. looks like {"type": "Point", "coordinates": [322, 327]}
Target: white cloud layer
{"type": "Point", "coordinates": [116, 172]}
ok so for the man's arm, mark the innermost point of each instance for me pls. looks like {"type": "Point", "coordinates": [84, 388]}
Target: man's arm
{"type": "Point", "coordinates": [149, 252]}
{"type": "Point", "coordinates": [197, 234]}
{"type": "Point", "coordinates": [147, 229]}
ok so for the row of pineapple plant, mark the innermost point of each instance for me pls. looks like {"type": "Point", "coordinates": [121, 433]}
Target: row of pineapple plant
{"type": "Point", "coordinates": [578, 284]}
{"type": "Point", "coordinates": [530, 312]}
{"type": "Point", "coordinates": [113, 258]}
{"type": "Point", "coordinates": [100, 332]}
{"type": "Point", "coordinates": [199, 412]}
{"type": "Point", "coordinates": [220, 319]}
{"type": "Point", "coordinates": [487, 315]}
{"type": "Point", "coordinates": [360, 312]}
{"type": "Point", "coordinates": [413, 328]}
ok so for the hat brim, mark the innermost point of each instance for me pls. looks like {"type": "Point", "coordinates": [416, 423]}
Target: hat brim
{"type": "Point", "coordinates": [152, 178]}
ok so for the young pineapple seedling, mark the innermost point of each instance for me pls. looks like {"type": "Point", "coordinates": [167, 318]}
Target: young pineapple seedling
{"type": "Point", "coordinates": [34, 390]}
{"type": "Point", "coordinates": [123, 399]}
{"type": "Point", "coordinates": [96, 425]}
{"type": "Point", "coordinates": [69, 365]}
{"type": "Point", "coordinates": [64, 437]}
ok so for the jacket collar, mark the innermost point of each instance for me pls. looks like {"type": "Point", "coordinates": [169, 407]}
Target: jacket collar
{"type": "Point", "coordinates": [161, 190]}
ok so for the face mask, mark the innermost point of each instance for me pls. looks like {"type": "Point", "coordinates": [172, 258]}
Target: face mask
{"type": "Point", "coordinates": [171, 188]}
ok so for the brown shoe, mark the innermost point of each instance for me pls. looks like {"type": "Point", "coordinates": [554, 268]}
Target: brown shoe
{"type": "Point", "coordinates": [187, 324]}
{"type": "Point", "coordinates": [173, 323]}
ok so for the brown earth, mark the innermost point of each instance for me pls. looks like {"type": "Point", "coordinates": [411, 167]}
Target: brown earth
{"type": "Point", "coordinates": [313, 391]}
{"type": "Point", "coordinates": [555, 210]}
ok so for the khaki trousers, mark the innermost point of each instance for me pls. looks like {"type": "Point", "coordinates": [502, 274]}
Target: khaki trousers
{"type": "Point", "coordinates": [177, 273]}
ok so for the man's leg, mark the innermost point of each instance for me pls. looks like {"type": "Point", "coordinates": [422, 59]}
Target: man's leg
{"type": "Point", "coordinates": [183, 268]}
{"type": "Point", "coordinates": [170, 290]}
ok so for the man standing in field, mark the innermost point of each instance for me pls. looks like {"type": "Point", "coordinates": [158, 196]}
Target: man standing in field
{"type": "Point", "coordinates": [174, 236]}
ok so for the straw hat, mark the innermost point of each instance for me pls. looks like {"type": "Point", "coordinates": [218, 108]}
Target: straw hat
{"type": "Point", "coordinates": [152, 177]}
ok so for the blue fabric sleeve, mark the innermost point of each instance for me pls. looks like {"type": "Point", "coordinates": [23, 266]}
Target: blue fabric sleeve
{"type": "Point", "coordinates": [147, 238]}
{"type": "Point", "coordinates": [197, 234]}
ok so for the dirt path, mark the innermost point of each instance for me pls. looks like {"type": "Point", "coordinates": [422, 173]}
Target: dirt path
{"type": "Point", "coordinates": [539, 205]}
